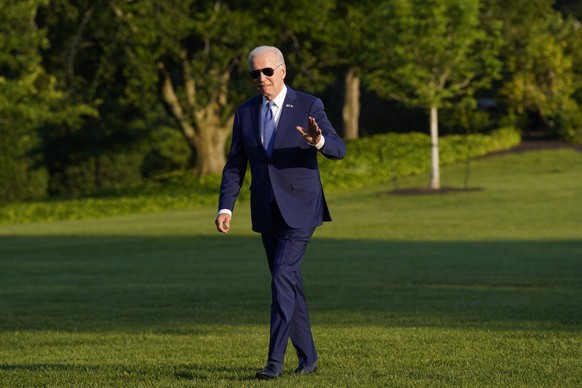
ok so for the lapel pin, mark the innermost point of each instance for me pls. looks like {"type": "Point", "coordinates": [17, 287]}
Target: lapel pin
{"type": "Point", "coordinates": [288, 106]}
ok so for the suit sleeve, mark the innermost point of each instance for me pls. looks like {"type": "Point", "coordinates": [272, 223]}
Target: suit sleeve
{"type": "Point", "coordinates": [234, 170]}
{"type": "Point", "coordinates": [334, 147]}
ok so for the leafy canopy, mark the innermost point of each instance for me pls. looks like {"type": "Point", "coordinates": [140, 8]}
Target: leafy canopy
{"type": "Point", "coordinates": [426, 53]}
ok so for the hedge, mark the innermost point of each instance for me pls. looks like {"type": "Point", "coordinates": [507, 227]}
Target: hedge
{"type": "Point", "coordinates": [369, 161]}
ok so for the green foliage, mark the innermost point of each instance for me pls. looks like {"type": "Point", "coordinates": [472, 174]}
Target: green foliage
{"type": "Point", "coordinates": [89, 174]}
{"type": "Point", "coordinates": [369, 161]}
{"type": "Point", "coordinates": [464, 118]}
{"type": "Point", "coordinates": [190, 55]}
{"type": "Point", "coordinates": [542, 66]}
{"type": "Point", "coordinates": [198, 45]}
{"type": "Point", "coordinates": [308, 34]}
{"type": "Point", "coordinates": [103, 150]}
{"type": "Point", "coordinates": [182, 193]}
{"type": "Point", "coordinates": [167, 153]}
{"type": "Point", "coordinates": [29, 98]}
{"type": "Point", "coordinates": [26, 93]}
{"type": "Point", "coordinates": [80, 103]}
{"type": "Point", "coordinates": [385, 157]}
{"type": "Point", "coordinates": [428, 52]}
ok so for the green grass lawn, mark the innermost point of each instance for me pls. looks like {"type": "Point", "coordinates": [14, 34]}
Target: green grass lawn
{"type": "Point", "coordinates": [476, 288]}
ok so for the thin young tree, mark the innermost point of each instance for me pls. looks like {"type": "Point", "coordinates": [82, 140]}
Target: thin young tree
{"type": "Point", "coordinates": [429, 53]}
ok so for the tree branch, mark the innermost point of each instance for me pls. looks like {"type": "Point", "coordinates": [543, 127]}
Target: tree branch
{"type": "Point", "coordinates": [189, 82]}
{"type": "Point", "coordinates": [74, 46]}
{"type": "Point", "coordinates": [171, 99]}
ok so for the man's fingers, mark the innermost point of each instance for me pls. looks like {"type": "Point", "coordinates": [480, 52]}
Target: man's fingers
{"type": "Point", "coordinates": [300, 130]}
{"type": "Point", "coordinates": [313, 127]}
{"type": "Point", "coordinates": [223, 223]}
{"type": "Point", "coordinates": [313, 131]}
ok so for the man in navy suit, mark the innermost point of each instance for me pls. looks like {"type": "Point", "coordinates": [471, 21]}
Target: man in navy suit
{"type": "Point", "coordinates": [279, 133]}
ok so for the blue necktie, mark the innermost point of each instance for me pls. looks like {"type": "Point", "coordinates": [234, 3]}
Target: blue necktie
{"type": "Point", "coordinates": [269, 129]}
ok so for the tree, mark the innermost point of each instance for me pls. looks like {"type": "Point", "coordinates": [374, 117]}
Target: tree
{"type": "Point", "coordinates": [188, 52]}
{"type": "Point", "coordinates": [332, 40]}
{"type": "Point", "coordinates": [195, 53]}
{"type": "Point", "coordinates": [189, 56]}
{"type": "Point", "coordinates": [541, 79]}
{"type": "Point", "coordinates": [354, 63]}
{"type": "Point", "coordinates": [29, 97]}
{"type": "Point", "coordinates": [322, 41]}
{"type": "Point", "coordinates": [103, 150]}
{"type": "Point", "coordinates": [429, 54]}
{"type": "Point", "coordinates": [350, 26]}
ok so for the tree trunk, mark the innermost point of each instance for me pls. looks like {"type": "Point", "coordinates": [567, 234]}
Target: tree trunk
{"type": "Point", "coordinates": [202, 128]}
{"type": "Point", "coordinates": [435, 178]}
{"type": "Point", "coordinates": [210, 142]}
{"type": "Point", "coordinates": [209, 156]}
{"type": "Point", "coordinates": [351, 109]}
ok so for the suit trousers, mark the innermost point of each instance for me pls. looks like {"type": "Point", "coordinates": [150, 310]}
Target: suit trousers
{"type": "Point", "coordinates": [285, 247]}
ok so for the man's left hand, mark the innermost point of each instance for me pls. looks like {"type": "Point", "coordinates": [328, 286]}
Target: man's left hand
{"type": "Point", "coordinates": [313, 133]}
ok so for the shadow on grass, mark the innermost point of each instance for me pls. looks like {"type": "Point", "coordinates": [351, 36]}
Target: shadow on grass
{"type": "Point", "coordinates": [47, 367]}
{"type": "Point", "coordinates": [186, 284]}
{"type": "Point", "coordinates": [184, 372]}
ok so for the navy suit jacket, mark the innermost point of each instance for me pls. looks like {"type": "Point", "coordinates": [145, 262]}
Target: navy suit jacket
{"type": "Point", "coordinates": [292, 170]}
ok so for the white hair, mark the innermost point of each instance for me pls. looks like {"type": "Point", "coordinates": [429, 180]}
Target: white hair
{"type": "Point", "coordinates": [263, 50]}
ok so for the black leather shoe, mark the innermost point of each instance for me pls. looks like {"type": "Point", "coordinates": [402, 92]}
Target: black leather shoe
{"type": "Point", "coordinates": [305, 370]}
{"type": "Point", "coordinates": [268, 373]}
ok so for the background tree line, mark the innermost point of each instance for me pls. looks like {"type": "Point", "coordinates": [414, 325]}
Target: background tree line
{"type": "Point", "coordinates": [106, 94]}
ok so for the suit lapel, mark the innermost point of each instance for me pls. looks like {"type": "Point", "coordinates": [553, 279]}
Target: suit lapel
{"type": "Point", "coordinates": [287, 113]}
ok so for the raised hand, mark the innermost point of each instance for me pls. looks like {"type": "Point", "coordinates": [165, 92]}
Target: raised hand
{"type": "Point", "coordinates": [313, 133]}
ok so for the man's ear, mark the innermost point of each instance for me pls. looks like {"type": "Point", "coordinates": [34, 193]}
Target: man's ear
{"type": "Point", "coordinates": [284, 70]}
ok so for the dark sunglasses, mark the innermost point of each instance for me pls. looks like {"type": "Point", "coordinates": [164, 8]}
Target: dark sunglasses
{"type": "Point", "coordinates": [268, 71]}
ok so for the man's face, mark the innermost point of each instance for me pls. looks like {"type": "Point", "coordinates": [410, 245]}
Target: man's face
{"type": "Point", "coordinates": [269, 86]}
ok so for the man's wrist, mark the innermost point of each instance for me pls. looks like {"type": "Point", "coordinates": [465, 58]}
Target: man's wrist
{"type": "Point", "coordinates": [319, 144]}
{"type": "Point", "coordinates": [225, 211]}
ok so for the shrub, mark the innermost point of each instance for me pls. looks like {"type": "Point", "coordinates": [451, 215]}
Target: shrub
{"type": "Point", "coordinates": [369, 161]}
{"type": "Point", "coordinates": [384, 157]}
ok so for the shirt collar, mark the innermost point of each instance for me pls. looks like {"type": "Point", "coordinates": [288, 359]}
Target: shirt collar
{"type": "Point", "coordinates": [280, 99]}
